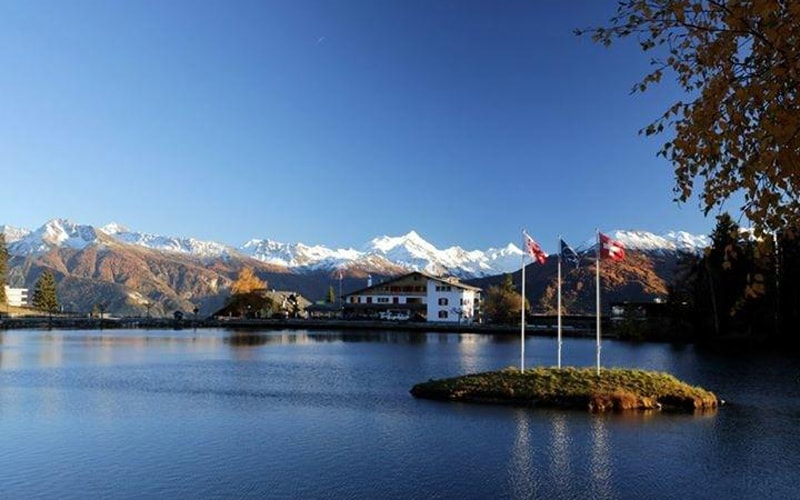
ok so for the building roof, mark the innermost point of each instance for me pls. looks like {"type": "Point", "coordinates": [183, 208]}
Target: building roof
{"type": "Point", "coordinates": [447, 280]}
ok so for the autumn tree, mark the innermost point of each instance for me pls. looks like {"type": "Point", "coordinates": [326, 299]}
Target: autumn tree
{"type": "Point", "coordinates": [3, 268]}
{"type": "Point", "coordinates": [247, 282]}
{"type": "Point", "coordinates": [45, 296]}
{"type": "Point", "coordinates": [502, 303]}
{"type": "Point", "coordinates": [737, 131]}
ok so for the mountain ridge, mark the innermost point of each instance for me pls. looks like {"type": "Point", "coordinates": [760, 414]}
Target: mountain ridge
{"type": "Point", "coordinates": [381, 254]}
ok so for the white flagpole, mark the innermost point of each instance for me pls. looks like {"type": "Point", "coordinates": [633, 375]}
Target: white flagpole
{"type": "Point", "coordinates": [597, 312]}
{"type": "Point", "coordinates": [522, 308]}
{"type": "Point", "coordinates": [559, 302]}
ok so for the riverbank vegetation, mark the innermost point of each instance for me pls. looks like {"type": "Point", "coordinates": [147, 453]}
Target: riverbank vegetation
{"type": "Point", "coordinates": [581, 388]}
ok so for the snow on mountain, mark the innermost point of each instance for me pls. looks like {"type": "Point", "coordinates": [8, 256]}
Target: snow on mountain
{"type": "Point", "coordinates": [55, 233]}
{"type": "Point", "coordinates": [412, 251]}
{"type": "Point", "coordinates": [669, 242]}
{"type": "Point", "coordinates": [13, 234]}
{"type": "Point", "coordinates": [409, 251]}
{"type": "Point", "coordinates": [298, 254]}
{"type": "Point", "coordinates": [190, 246]}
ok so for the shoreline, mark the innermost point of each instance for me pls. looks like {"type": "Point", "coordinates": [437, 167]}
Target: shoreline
{"type": "Point", "coordinates": [86, 323]}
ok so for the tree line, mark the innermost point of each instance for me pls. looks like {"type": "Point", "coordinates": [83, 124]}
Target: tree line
{"type": "Point", "coordinates": [743, 285]}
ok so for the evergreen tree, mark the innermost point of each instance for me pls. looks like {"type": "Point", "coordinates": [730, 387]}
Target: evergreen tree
{"type": "Point", "coordinates": [3, 268]}
{"type": "Point", "coordinates": [331, 295]}
{"type": "Point", "coordinates": [45, 297]}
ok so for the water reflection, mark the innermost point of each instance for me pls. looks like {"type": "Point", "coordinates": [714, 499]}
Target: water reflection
{"type": "Point", "coordinates": [600, 467]}
{"type": "Point", "coordinates": [159, 413]}
{"type": "Point", "coordinates": [522, 467]}
{"type": "Point", "coordinates": [560, 466]}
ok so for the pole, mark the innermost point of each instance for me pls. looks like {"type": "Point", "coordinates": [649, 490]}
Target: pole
{"type": "Point", "coordinates": [522, 313]}
{"type": "Point", "coordinates": [597, 287]}
{"type": "Point", "coordinates": [340, 295]}
{"type": "Point", "coordinates": [559, 302]}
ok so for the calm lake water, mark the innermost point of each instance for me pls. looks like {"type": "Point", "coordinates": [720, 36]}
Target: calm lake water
{"type": "Point", "coordinates": [295, 414]}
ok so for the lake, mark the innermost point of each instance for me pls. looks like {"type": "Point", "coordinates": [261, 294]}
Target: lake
{"type": "Point", "coordinates": [298, 414]}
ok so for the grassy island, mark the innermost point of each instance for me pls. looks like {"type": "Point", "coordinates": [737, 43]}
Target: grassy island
{"type": "Point", "coordinates": [614, 389]}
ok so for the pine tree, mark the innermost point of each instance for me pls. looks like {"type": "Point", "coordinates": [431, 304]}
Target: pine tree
{"type": "Point", "coordinates": [3, 268]}
{"type": "Point", "coordinates": [331, 295]}
{"type": "Point", "coordinates": [45, 297]}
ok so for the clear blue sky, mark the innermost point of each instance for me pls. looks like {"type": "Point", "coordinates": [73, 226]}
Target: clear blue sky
{"type": "Point", "coordinates": [329, 122]}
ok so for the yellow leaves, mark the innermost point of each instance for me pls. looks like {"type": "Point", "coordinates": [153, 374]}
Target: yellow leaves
{"type": "Point", "coordinates": [755, 286]}
{"type": "Point", "coordinates": [740, 63]}
{"type": "Point", "coordinates": [247, 282]}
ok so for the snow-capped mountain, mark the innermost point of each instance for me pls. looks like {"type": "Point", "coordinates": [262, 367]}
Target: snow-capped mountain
{"type": "Point", "coordinates": [670, 242]}
{"type": "Point", "coordinates": [190, 246]}
{"type": "Point", "coordinates": [56, 233]}
{"type": "Point", "coordinates": [297, 254]}
{"type": "Point", "coordinates": [409, 251]}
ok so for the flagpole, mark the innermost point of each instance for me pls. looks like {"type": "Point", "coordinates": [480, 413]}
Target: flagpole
{"type": "Point", "coordinates": [597, 287]}
{"type": "Point", "coordinates": [522, 313]}
{"type": "Point", "coordinates": [559, 301]}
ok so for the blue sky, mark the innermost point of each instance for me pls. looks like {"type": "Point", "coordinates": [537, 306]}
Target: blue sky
{"type": "Point", "coordinates": [330, 122]}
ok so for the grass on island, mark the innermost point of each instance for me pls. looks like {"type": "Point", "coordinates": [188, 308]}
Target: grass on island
{"type": "Point", "coordinates": [614, 389]}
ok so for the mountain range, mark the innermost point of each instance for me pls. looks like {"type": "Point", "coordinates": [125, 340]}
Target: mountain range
{"type": "Point", "coordinates": [130, 270]}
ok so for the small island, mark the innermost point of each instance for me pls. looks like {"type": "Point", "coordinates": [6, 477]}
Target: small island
{"type": "Point", "coordinates": [578, 388]}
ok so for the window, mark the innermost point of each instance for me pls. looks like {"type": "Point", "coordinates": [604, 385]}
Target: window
{"type": "Point", "coordinates": [383, 300]}
{"type": "Point", "coordinates": [395, 300]}
{"type": "Point", "coordinates": [442, 314]}
{"type": "Point", "coordinates": [369, 300]}
{"type": "Point", "coordinates": [443, 301]}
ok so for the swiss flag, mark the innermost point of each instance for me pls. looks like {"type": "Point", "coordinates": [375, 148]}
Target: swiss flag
{"type": "Point", "coordinates": [534, 250]}
{"type": "Point", "coordinates": [611, 249]}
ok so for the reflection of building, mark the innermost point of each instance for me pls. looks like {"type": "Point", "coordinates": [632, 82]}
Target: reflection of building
{"type": "Point", "coordinates": [415, 295]}
{"type": "Point", "coordinates": [17, 297]}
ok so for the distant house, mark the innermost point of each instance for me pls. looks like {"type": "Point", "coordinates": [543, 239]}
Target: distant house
{"type": "Point", "coordinates": [265, 304]}
{"type": "Point", "coordinates": [324, 311]}
{"type": "Point", "coordinates": [416, 295]}
{"type": "Point", "coordinates": [16, 297]}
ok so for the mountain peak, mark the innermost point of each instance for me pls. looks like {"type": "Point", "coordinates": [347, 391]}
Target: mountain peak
{"type": "Point", "coordinates": [113, 228]}
{"type": "Point", "coordinates": [389, 253]}
{"type": "Point", "coordinates": [670, 242]}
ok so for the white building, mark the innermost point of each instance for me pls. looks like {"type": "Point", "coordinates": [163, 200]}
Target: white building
{"type": "Point", "coordinates": [17, 297]}
{"type": "Point", "coordinates": [416, 295]}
